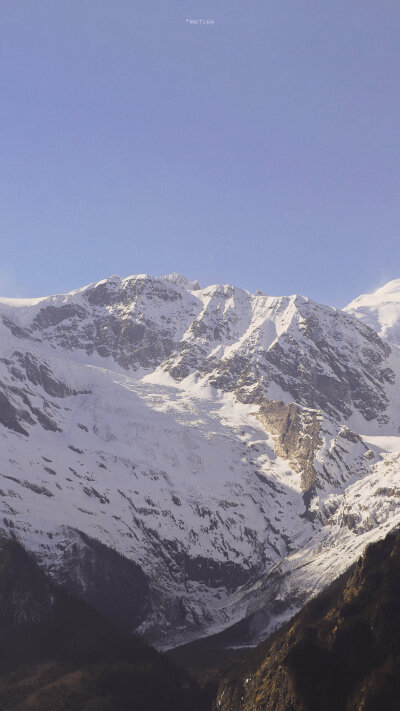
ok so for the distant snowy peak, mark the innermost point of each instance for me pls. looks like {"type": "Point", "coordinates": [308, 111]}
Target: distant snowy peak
{"type": "Point", "coordinates": [380, 310]}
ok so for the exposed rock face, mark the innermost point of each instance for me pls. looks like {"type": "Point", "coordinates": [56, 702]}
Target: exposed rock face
{"type": "Point", "coordinates": [53, 315]}
{"type": "Point", "coordinates": [37, 373]}
{"type": "Point", "coordinates": [298, 437]}
{"type": "Point", "coordinates": [11, 417]}
{"type": "Point", "coordinates": [223, 443]}
{"type": "Point", "coordinates": [23, 393]}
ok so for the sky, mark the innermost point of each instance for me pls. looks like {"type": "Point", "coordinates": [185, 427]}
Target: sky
{"type": "Point", "coordinates": [260, 148]}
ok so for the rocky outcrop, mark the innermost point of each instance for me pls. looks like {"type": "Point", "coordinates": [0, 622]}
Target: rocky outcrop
{"type": "Point", "coordinates": [12, 417]}
{"type": "Point", "coordinates": [298, 439]}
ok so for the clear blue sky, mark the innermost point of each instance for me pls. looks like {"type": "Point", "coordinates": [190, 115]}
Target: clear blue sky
{"type": "Point", "coordinates": [261, 150]}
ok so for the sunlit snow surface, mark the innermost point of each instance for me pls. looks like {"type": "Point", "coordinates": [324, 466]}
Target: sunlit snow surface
{"type": "Point", "coordinates": [380, 310]}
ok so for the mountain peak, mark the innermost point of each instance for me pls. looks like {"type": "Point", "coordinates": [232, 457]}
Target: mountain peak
{"type": "Point", "coordinates": [182, 281]}
{"type": "Point", "coordinates": [380, 309]}
{"type": "Point", "coordinates": [391, 289]}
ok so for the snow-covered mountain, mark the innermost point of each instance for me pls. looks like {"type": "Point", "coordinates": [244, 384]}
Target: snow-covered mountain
{"type": "Point", "coordinates": [237, 450]}
{"type": "Point", "coordinates": [380, 310]}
